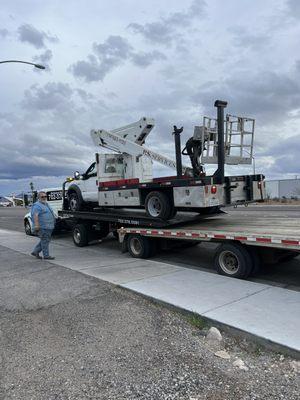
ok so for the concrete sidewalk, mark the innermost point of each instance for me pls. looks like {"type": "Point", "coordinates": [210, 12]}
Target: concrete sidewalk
{"type": "Point", "coordinates": [268, 312]}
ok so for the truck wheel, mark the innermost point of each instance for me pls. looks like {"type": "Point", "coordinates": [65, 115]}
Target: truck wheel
{"type": "Point", "coordinates": [80, 235]}
{"type": "Point", "coordinates": [27, 228]}
{"type": "Point", "coordinates": [139, 246]}
{"type": "Point", "coordinates": [75, 204]}
{"type": "Point", "coordinates": [158, 205]}
{"type": "Point", "coordinates": [233, 259]}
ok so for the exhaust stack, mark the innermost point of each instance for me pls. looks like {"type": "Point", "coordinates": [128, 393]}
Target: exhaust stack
{"type": "Point", "coordinates": [176, 133]}
{"type": "Point", "coordinates": [220, 172]}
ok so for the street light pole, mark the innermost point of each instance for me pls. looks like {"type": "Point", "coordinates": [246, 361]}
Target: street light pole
{"type": "Point", "coordinates": [39, 66]}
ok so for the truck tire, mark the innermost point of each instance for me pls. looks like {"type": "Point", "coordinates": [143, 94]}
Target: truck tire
{"type": "Point", "coordinates": [80, 235]}
{"type": "Point", "coordinates": [234, 260]}
{"type": "Point", "coordinates": [139, 246]}
{"type": "Point", "coordinates": [75, 203]}
{"type": "Point", "coordinates": [158, 205]}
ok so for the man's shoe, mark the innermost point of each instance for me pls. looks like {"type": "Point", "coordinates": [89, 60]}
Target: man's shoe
{"type": "Point", "coordinates": [49, 258]}
{"type": "Point", "coordinates": [36, 255]}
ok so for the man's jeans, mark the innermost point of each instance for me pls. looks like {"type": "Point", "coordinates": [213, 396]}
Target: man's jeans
{"type": "Point", "coordinates": [43, 245]}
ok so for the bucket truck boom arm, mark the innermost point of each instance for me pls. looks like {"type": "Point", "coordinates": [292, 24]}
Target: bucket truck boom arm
{"type": "Point", "coordinates": [129, 139]}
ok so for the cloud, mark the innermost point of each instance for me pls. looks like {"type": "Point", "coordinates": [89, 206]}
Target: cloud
{"type": "Point", "coordinates": [107, 56]}
{"type": "Point", "coordinates": [285, 162]}
{"type": "Point", "coordinates": [110, 54]}
{"type": "Point", "coordinates": [114, 49]}
{"type": "Point", "coordinates": [164, 30]}
{"type": "Point", "coordinates": [29, 34]}
{"type": "Point", "coordinates": [52, 96]}
{"type": "Point", "coordinates": [267, 95]}
{"type": "Point", "coordinates": [293, 7]}
{"type": "Point", "coordinates": [4, 33]}
{"type": "Point", "coordinates": [44, 59]}
{"type": "Point", "coordinates": [49, 136]}
{"type": "Point", "coordinates": [144, 59]}
{"type": "Point", "coordinates": [249, 40]}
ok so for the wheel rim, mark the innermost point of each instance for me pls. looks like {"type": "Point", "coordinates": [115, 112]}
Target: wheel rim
{"type": "Point", "coordinates": [77, 235]}
{"type": "Point", "coordinates": [229, 262]}
{"type": "Point", "coordinates": [135, 246]}
{"type": "Point", "coordinates": [73, 203]}
{"type": "Point", "coordinates": [154, 206]}
{"type": "Point", "coordinates": [27, 228]}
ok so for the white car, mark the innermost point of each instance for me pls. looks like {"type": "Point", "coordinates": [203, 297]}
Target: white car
{"type": "Point", "coordinates": [54, 198]}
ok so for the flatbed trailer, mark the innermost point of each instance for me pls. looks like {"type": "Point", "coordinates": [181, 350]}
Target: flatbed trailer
{"type": "Point", "coordinates": [245, 243]}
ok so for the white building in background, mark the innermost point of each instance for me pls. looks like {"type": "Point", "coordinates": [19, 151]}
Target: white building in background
{"type": "Point", "coordinates": [283, 188]}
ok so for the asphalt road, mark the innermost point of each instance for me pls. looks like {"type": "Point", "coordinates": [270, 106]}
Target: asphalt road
{"type": "Point", "coordinates": [200, 257]}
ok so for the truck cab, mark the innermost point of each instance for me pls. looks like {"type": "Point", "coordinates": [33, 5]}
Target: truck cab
{"type": "Point", "coordinates": [83, 194]}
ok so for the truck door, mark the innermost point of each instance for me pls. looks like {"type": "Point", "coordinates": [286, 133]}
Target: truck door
{"type": "Point", "coordinates": [89, 189]}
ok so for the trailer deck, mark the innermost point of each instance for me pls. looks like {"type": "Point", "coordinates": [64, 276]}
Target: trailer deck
{"type": "Point", "coordinates": [270, 231]}
{"type": "Point", "coordinates": [246, 242]}
{"type": "Point", "coordinates": [128, 217]}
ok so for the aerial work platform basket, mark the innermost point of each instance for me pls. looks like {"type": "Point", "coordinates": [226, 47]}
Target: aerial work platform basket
{"type": "Point", "coordinates": [238, 140]}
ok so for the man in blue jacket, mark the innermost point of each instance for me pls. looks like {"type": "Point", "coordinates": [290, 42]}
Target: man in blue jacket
{"type": "Point", "coordinates": [43, 220]}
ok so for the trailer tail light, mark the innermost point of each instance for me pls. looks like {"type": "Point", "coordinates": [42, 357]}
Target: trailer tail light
{"type": "Point", "coordinates": [213, 189]}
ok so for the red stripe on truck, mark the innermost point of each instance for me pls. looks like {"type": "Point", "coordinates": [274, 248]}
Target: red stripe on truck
{"type": "Point", "coordinates": [119, 182]}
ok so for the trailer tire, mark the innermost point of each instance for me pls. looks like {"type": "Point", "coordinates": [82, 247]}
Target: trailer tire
{"type": "Point", "coordinates": [159, 205]}
{"type": "Point", "coordinates": [139, 246]}
{"type": "Point", "coordinates": [256, 260]}
{"type": "Point", "coordinates": [234, 260]}
{"type": "Point", "coordinates": [80, 235]}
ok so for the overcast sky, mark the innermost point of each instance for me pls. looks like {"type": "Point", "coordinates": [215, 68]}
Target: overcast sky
{"type": "Point", "coordinates": [111, 62]}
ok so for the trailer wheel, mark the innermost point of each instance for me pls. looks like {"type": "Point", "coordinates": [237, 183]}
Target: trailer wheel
{"type": "Point", "coordinates": [80, 235]}
{"type": "Point", "coordinates": [158, 205]}
{"type": "Point", "coordinates": [139, 246]}
{"type": "Point", "coordinates": [256, 260]}
{"type": "Point", "coordinates": [234, 260]}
